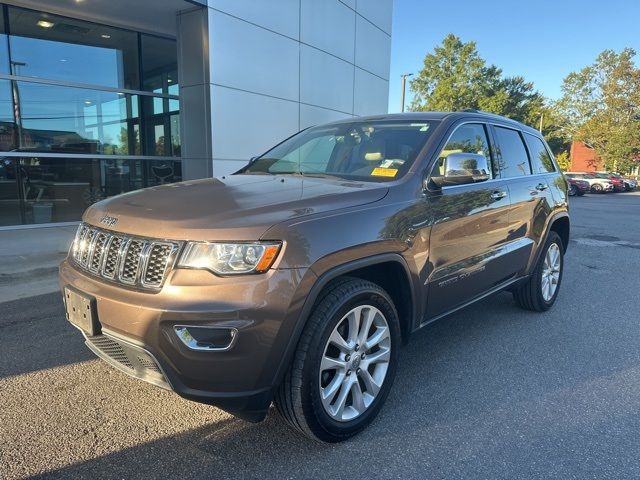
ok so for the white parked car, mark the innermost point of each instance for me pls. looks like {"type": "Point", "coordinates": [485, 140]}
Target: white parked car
{"type": "Point", "coordinates": [598, 185]}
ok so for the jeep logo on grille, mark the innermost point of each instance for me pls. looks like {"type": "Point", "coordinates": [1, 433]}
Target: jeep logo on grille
{"type": "Point", "coordinates": [107, 220]}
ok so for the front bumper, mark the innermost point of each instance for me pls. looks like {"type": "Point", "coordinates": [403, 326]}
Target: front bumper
{"type": "Point", "coordinates": [137, 332]}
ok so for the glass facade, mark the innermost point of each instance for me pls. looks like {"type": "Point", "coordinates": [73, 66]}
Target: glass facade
{"type": "Point", "coordinates": [87, 111]}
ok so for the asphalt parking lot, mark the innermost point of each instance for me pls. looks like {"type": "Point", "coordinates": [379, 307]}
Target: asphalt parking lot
{"type": "Point", "coordinates": [490, 392]}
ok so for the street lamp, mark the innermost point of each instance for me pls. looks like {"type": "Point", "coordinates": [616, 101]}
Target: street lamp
{"type": "Point", "coordinates": [404, 86]}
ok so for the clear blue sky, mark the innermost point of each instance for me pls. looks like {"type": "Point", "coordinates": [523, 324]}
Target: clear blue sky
{"type": "Point", "coordinates": [542, 40]}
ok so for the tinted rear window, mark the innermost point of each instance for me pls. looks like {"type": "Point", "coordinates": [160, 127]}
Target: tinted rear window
{"type": "Point", "coordinates": [512, 154]}
{"type": "Point", "coordinates": [540, 158]}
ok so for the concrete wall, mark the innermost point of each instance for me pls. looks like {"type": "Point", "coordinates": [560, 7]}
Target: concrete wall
{"type": "Point", "coordinates": [280, 66]}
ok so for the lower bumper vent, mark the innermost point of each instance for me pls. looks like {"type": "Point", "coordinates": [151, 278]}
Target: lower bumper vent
{"type": "Point", "coordinates": [128, 358]}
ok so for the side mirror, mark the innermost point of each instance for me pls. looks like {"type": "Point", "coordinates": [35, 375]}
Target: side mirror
{"type": "Point", "coordinates": [463, 168]}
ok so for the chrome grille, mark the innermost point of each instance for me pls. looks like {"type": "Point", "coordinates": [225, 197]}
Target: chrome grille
{"type": "Point", "coordinates": [110, 266]}
{"type": "Point", "coordinates": [98, 251]}
{"type": "Point", "coordinates": [133, 261]}
{"type": "Point", "coordinates": [132, 258]}
{"type": "Point", "coordinates": [159, 254]}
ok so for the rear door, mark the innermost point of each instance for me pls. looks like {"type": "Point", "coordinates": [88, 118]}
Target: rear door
{"type": "Point", "coordinates": [529, 189]}
{"type": "Point", "coordinates": [469, 229]}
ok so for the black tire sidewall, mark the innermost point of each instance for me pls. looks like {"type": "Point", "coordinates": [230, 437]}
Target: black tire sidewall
{"type": "Point", "coordinates": [325, 427]}
{"type": "Point", "coordinates": [573, 191]}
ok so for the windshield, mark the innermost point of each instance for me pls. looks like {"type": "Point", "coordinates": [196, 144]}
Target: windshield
{"type": "Point", "coordinates": [373, 151]}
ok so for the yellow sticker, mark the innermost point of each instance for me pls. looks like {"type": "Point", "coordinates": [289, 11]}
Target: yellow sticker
{"type": "Point", "coordinates": [384, 172]}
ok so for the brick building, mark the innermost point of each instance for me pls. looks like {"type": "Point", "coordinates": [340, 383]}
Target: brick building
{"type": "Point", "coordinates": [584, 159]}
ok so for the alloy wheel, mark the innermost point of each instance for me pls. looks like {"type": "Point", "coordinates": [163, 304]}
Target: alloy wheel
{"type": "Point", "coordinates": [551, 272]}
{"type": "Point", "coordinates": [354, 363]}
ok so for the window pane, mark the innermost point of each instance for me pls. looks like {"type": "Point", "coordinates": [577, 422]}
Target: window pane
{"type": "Point", "coordinates": [159, 65]}
{"type": "Point", "coordinates": [161, 126]}
{"type": "Point", "coordinates": [8, 132]}
{"type": "Point", "coordinates": [540, 158]}
{"type": "Point", "coordinates": [160, 172]}
{"type": "Point", "coordinates": [10, 193]}
{"type": "Point", "coordinates": [159, 140]}
{"type": "Point", "coordinates": [513, 159]}
{"type": "Point", "coordinates": [4, 48]}
{"type": "Point", "coordinates": [175, 135]}
{"type": "Point", "coordinates": [61, 48]}
{"type": "Point", "coordinates": [468, 138]}
{"type": "Point", "coordinates": [60, 189]}
{"type": "Point", "coordinates": [75, 120]}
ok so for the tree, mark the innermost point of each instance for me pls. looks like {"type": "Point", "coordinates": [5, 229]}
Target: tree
{"type": "Point", "coordinates": [564, 162]}
{"type": "Point", "coordinates": [601, 106]}
{"type": "Point", "coordinates": [455, 77]}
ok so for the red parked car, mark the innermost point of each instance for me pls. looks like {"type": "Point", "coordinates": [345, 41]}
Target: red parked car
{"type": "Point", "coordinates": [618, 183]}
{"type": "Point", "coordinates": [577, 187]}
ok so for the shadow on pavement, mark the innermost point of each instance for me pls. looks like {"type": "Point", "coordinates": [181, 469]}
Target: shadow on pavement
{"type": "Point", "coordinates": [34, 335]}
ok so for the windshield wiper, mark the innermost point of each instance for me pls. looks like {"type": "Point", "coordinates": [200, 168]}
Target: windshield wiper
{"type": "Point", "coordinates": [320, 175]}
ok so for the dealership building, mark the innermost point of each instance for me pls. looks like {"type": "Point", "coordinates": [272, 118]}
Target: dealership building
{"type": "Point", "coordinates": [100, 97]}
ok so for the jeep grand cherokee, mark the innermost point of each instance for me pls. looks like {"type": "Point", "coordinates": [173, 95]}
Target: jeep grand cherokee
{"type": "Point", "coordinates": [296, 279]}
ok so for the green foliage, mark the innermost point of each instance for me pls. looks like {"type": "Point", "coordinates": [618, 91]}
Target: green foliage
{"type": "Point", "coordinates": [455, 77]}
{"type": "Point", "coordinates": [601, 107]}
{"type": "Point", "coordinates": [564, 162]}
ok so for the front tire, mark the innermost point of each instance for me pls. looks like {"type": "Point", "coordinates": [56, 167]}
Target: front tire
{"type": "Point", "coordinates": [572, 190]}
{"type": "Point", "coordinates": [597, 188]}
{"type": "Point", "coordinates": [345, 362]}
{"type": "Point", "coordinates": [540, 291]}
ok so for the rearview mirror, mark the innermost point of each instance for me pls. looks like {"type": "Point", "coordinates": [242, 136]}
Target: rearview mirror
{"type": "Point", "coordinates": [462, 168]}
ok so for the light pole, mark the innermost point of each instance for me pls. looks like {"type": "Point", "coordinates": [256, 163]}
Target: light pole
{"type": "Point", "coordinates": [404, 87]}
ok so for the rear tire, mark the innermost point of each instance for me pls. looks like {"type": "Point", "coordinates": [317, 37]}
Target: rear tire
{"type": "Point", "coordinates": [540, 291]}
{"type": "Point", "coordinates": [345, 362]}
{"type": "Point", "coordinates": [597, 188]}
{"type": "Point", "coordinates": [572, 190]}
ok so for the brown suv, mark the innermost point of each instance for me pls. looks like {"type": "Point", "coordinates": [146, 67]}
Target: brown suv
{"type": "Point", "coordinates": [296, 279]}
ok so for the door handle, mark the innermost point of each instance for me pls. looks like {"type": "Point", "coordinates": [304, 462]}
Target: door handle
{"type": "Point", "coordinates": [541, 187]}
{"type": "Point", "coordinates": [497, 195]}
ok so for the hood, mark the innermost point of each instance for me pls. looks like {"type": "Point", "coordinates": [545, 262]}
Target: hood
{"type": "Point", "coordinates": [238, 207]}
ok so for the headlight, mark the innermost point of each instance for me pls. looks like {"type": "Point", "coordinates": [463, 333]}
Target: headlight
{"type": "Point", "coordinates": [230, 258]}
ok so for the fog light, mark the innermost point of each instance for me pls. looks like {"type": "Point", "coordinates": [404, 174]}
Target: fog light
{"type": "Point", "coordinates": [210, 339]}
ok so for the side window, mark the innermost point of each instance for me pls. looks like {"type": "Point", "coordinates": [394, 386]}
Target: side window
{"type": "Point", "coordinates": [512, 154]}
{"type": "Point", "coordinates": [540, 158]}
{"type": "Point", "coordinates": [467, 138]}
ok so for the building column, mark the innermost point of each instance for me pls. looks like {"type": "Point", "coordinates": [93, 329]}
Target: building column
{"type": "Point", "coordinates": [195, 93]}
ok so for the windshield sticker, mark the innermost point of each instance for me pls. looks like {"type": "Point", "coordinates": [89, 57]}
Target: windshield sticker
{"type": "Point", "coordinates": [384, 172]}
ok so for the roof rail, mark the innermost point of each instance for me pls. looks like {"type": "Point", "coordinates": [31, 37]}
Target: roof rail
{"type": "Point", "coordinates": [490, 114]}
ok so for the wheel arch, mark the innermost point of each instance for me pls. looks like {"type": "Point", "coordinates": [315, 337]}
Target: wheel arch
{"type": "Point", "coordinates": [558, 223]}
{"type": "Point", "coordinates": [562, 226]}
{"type": "Point", "coordinates": [368, 268]}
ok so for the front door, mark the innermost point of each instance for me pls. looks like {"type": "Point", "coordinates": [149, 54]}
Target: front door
{"type": "Point", "coordinates": [469, 230]}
